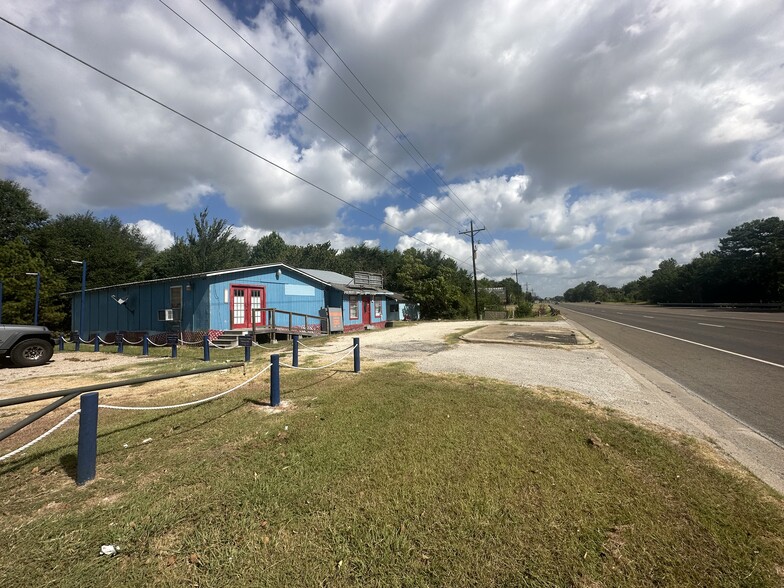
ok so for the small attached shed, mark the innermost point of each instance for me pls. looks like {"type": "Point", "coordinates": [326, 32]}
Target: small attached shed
{"type": "Point", "coordinates": [401, 309]}
{"type": "Point", "coordinates": [272, 298]}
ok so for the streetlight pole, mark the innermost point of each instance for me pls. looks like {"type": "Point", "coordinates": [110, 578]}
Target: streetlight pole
{"type": "Point", "coordinates": [84, 287]}
{"type": "Point", "coordinates": [37, 293]}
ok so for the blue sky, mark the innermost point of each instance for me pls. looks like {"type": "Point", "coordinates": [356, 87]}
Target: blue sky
{"type": "Point", "coordinates": [590, 139]}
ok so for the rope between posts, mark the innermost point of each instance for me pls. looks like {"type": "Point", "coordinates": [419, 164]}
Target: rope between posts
{"type": "Point", "coordinates": [184, 404]}
{"type": "Point", "coordinates": [254, 344]}
{"type": "Point", "coordinates": [102, 341]}
{"type": "Point", "coordinates": [132, 342]}
{"type": "Point", "coordinates": [157, 344]}
{"type": "Point", "coordinates": [233, 346]}
{"type": "Point", "coordinates": [321, 367]}
{"type": "Point", "coordinates": [314, 350]}
{"type": "Point", "coordinates": [86, 341]}
{"type": "Point", "coordinates": [42, 436]}
{"type": "Point", "coordinates": [184, 342]}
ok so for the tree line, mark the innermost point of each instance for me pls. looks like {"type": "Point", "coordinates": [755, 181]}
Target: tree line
{"type": "Point", "coordinates": [33, 241]}
{"type": "Point", "coordinates": [747, 266]}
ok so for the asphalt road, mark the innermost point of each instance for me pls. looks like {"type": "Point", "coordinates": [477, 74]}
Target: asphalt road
{"type": "Point", "coordinates": [734, 360]}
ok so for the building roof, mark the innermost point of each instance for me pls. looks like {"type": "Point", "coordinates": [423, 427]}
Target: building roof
{"type": "Point", "coordinates": [328, 278]}
{"type": "Point", "coordinates": [343, 283]}
{"type": "Point", "coordinates": [203, 275]}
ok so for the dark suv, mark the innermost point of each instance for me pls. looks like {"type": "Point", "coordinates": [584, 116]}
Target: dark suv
{"type": "Point", "coordinates": [26, 345]}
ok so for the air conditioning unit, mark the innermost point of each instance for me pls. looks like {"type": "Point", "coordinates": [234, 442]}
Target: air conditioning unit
{"type": "Point", "coordinates": [167, 314]}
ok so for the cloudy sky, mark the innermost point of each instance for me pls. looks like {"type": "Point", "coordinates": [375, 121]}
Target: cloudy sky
{"type": "Point", "coordinates": [591, 139]}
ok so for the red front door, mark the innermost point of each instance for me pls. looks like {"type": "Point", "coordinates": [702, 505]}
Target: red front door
{"type": "Point", "coordinates": [242, 302]}
{"type": "Point", "coordinates": [366, 304]}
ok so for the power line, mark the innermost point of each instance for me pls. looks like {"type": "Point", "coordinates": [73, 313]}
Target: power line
{"type": "Point", "coordinates": [317, 105]}
{"type": "Point", "coordinates": [314, 123]}
{"type": "Point", "coordinates": [218, 134]}
{"type": "Point", "coordinates": [397, 127]}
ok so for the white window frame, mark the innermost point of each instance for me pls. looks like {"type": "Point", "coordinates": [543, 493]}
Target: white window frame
{"type": "Point", "coordinates": [353, 308]}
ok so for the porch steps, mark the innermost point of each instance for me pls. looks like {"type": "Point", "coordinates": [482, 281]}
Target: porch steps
{"type": "Point", "coordinates": [229, 338]}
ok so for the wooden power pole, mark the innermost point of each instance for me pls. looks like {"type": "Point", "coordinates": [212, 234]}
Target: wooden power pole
{"type": "Point", "coordinates": [473, 232]}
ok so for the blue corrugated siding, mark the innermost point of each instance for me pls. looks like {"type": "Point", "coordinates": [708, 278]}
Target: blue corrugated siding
{"type": "Point", "coordinates": [275, 294]}
{"type": "Point", "coordinates": [373, 319]}
{"type": "Point", "coordinates": [140, 311]}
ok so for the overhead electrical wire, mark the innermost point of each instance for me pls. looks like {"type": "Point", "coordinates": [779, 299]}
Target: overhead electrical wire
{"type": "Point", "coordinates": [317, 105]}
{"type": "Point", "coordinates": [447, 220]}
{"type": "Point", "coordinates": [219, 135]}
{"type": "Point", "coordinates": [350, 89]}
{"type": "Point", "coordinates": [470, 213]}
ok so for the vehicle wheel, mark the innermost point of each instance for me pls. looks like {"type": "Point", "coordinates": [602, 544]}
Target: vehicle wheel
{"type": "Point", "coordinates": [31, 352]}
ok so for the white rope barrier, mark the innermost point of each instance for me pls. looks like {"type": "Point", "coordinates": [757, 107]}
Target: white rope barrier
{"type": "Point", "coordinates": [254, 344]}
{"type": "Point", "coordinates": [139, 342]}
{"type": "Point", "coordinates": [232, 346]}
{"type": "Point", "coordinates": [321, 367]}
{"type": "Point", "coordinates": [184, 342]}
{"type": "Point", "coordinates": [104, 342]}
{"type": "Point", "coordinates": [86, 341]}
{"type": "Point", "coordinates": [184, 404]}
{"type": "Point", "coordinates": [157, 344]}
{"type": "Point", "coordinates": [314, 350]}
{"type": "Point", "coordinates": [42, 436]}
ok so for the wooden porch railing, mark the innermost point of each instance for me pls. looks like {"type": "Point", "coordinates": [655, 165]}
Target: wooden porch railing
{"type": "Point", "coordinates": [273, 320]}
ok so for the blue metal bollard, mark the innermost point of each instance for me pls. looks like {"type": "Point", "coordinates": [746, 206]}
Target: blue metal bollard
{"type": "Point", "coordinates": [356, 355]}
{"type": "Point", "coordinates": [145, 345]}
{"type": "Point", "coordinates": [295, 351]}
{"type": "Point", "coordinates": [174, 350]}
{"type": "Point", "coordinates": [96, 344]}
{"type": "Point", "coordinates": [87, 451]}
{"type": "Point", "coordinates": [247, 354]}
{"type": "Point", "coordinates": [78, 340]}
{"type": "Point", "coordinates": [120, 342]}
{"type": "Point", "coordinates": [206, 343]}
{"type": "Point", "coordinates": [275, 380]}
{"type": "Point", "coordinates": [62, 343]}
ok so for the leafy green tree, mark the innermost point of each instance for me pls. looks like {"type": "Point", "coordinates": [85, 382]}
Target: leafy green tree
{"type": "Point", "coordinates": [371, 259]}
{"type": "Point", "coordinates": [753, 254]}
{"type": "Point", "coordinates": [209, 246]}
{"type": "Point", "coordinates": [16, 260]}
{"type": "Point", "coordinates": [114, 252]}
{"type": "Point", "coordinates": [19, 215]}
{"type": "Point", "coordinates": [269, 249]}
{"type": "Point", "coordinates": [433, 287]}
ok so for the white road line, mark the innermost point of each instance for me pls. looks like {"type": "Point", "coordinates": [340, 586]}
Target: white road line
{"type": "Point", "coordinates": [710, 325]}
{"type": "Point", "coordinates": [778, 365]}
{"type": "Point", "coordinates": [646, 316]}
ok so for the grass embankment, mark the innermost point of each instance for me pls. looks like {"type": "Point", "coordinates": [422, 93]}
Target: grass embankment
{"type": "Point", "coordinates": [386, 478]}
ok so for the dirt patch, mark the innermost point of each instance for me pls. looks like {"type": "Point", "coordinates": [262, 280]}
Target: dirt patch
{"type": "Point", "coordinates": [67, 363]}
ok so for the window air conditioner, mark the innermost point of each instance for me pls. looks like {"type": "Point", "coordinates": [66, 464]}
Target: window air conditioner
{"type": "Point", "coordinates": [166, 314]}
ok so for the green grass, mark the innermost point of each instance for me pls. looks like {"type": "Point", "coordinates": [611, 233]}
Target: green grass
{"type": "Point", "coordinates": [386, 478]}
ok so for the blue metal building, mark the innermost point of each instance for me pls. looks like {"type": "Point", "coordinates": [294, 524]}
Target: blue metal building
{"type": "Point", "coordinates": [272, 298]}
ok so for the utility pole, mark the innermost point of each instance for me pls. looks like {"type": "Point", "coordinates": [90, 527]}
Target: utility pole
{"type": "Point", "coordinates": [473, 232]}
